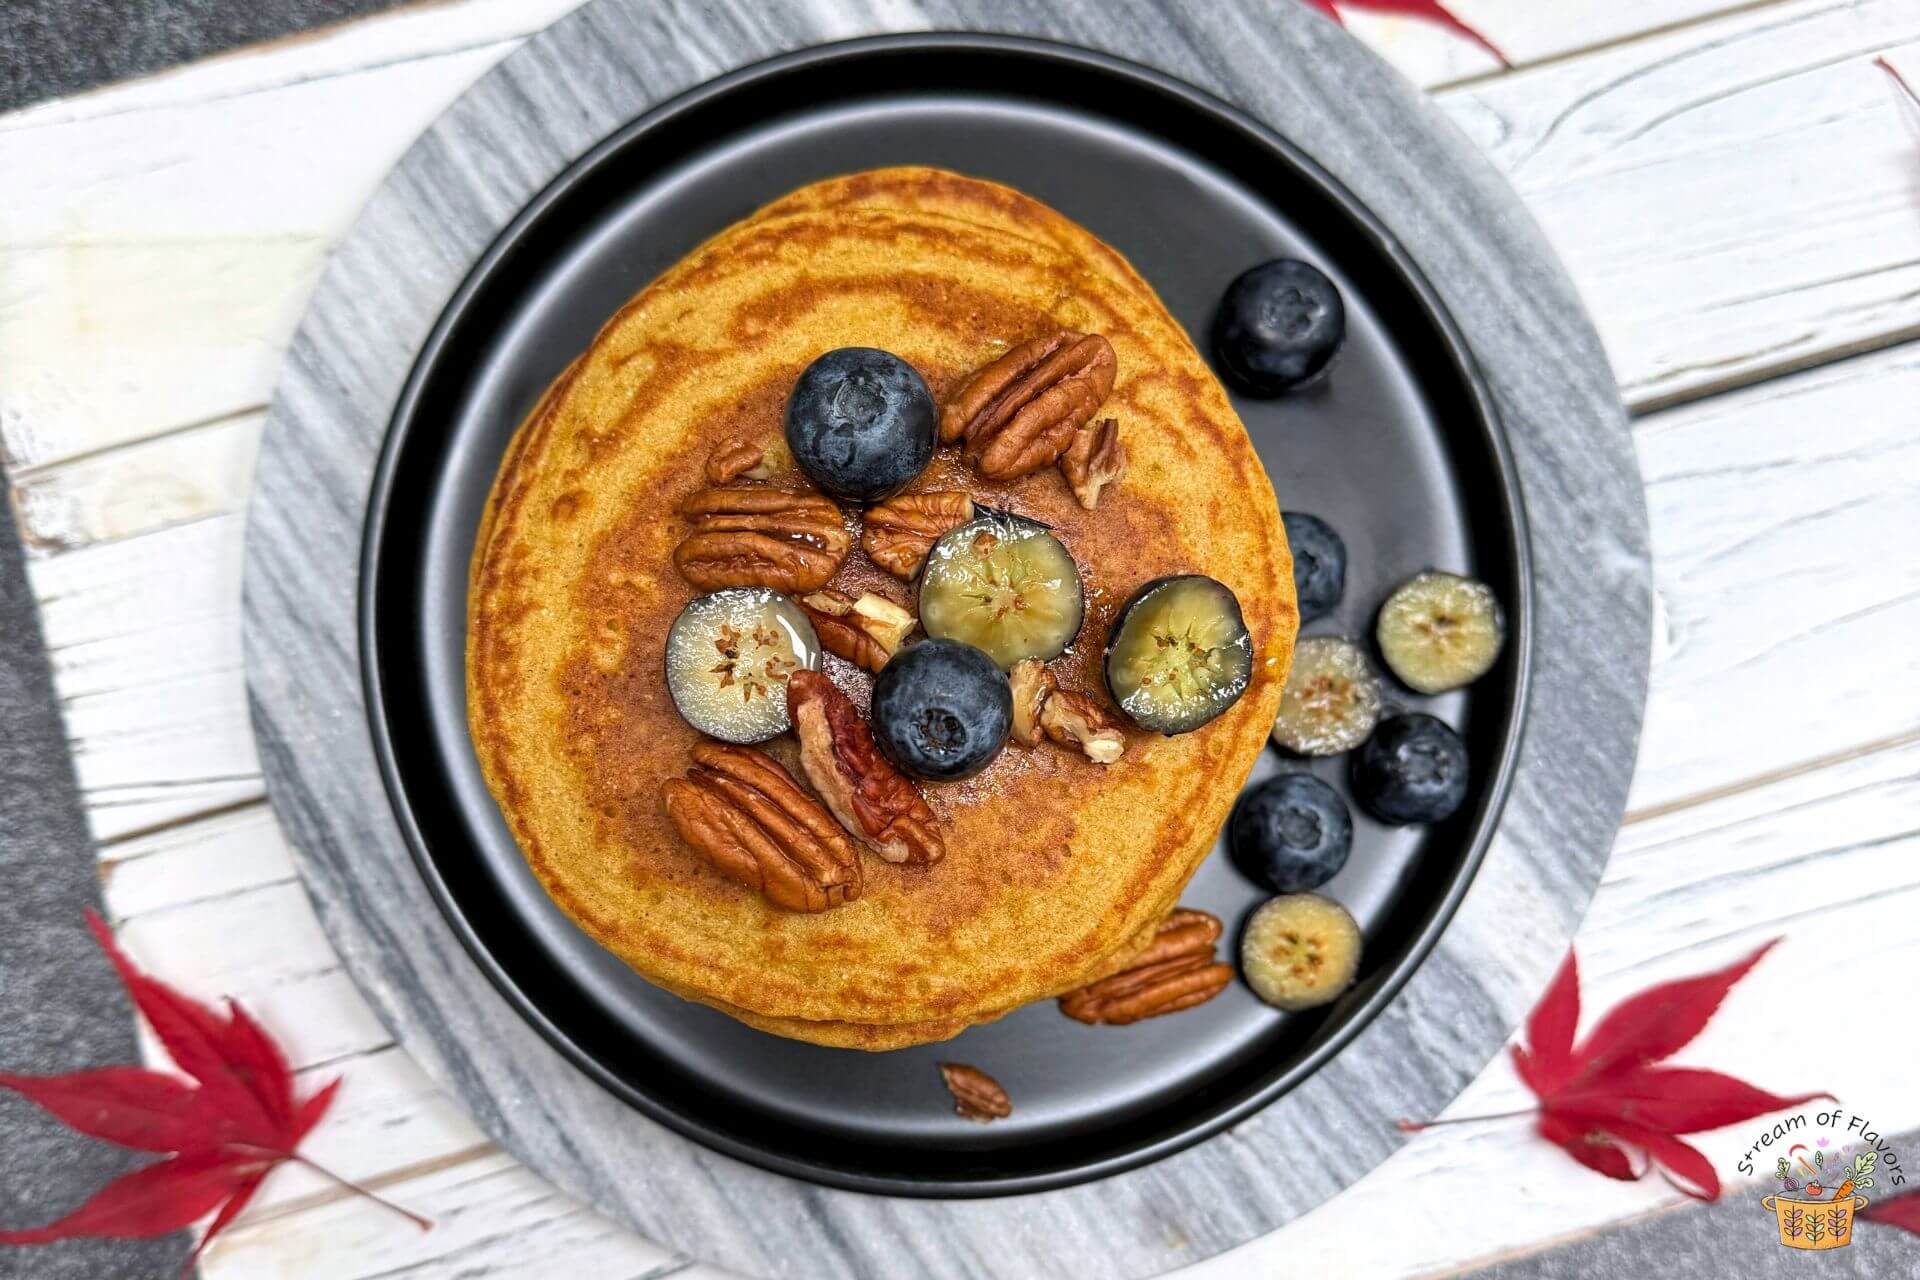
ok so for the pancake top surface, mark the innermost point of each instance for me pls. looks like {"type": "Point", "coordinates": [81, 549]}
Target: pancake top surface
{"type": "Point", "coordinates": [1053, 862]}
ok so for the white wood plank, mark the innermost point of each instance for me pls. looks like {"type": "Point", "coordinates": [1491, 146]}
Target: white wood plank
{"type": "Point", "coordinates": [490, 1216]}
{"type": "Point", "coordinates": [195, 862]}
{"type": "Point", "coordinates": [168, 234]}
{"type": "Point", "coordinates": [139, 488]}
{"type": "Point", "coordinates": [144, 637]}
{"type": "Point", "coordinates": [263, 947]}
{"type": "Point", "coordinates": [1527, 31]}
{"type": "Point", "coordinates": [1786, 619]}
{"type": "Point", "coordinates": [1733, 199]}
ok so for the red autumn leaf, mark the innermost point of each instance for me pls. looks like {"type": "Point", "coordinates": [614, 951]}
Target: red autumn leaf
{"type": "Point", "coordinates": [1591, 1148]}
{"type": "Point", "coordinates": [128, 1106]}
{"type": "Point", "coordinates": [1688, 1170]}
{"type": "Point", "coordinates": [1605, 1103]}
{"type": "Point", "coordinates": [1426, 10]}
{"type": "Point", "coordinates": [1901, 1211]}
{"type": "Point", "coordinates": [1676, 1100]}
{"type": "Point", "coordinates": [225, 1130]}
{"type": "Point", "coordinates": [1547, 1063]}
{"type": "Point", "coordinates": [1659, 1022]}
{"type": "Point", "coordinates": [151, 1201]}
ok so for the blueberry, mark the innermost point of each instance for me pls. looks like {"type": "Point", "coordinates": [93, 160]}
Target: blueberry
{"type": "Point", "coordinates": [861, 423]}
{"type": "Point", "coordinates": [1319, 564]}
{"type": "Point", "coordinates": [1279, 327]}
{"type": "Point", "coordinates": [1413, 769]}
{"type": "Point", "coordinates": [941, 709]}
{"type": "Point", "coordinates": [1290, 833]}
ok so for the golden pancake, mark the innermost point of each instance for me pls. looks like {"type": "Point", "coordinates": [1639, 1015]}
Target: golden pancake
{"type": "Point", "coordinates": [1054, 863]}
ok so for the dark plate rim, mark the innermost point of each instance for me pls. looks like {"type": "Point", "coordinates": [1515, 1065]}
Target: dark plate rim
{"type": "Point", "coordinates": [1487, 418]}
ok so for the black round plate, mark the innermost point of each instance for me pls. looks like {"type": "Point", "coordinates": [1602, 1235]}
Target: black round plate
{"type": "Point", "coordinates": [1398, 449]}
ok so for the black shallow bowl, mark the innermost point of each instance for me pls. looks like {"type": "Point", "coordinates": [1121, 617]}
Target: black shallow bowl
{"type": "Point", "coordinates": [1399, 449]}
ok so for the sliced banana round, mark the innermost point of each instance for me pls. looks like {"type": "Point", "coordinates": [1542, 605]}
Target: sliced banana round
{"type": "Point", "coordinates": [1179, 654]}
{"type": "Point", "coordinates": [729, 655]}
{"type": "Point", "coordinates": [1332, 700]}
{"type": "Point", "coordinates": [1005, 585]}
{"type": "Point", "coordinates": [1439, 631]}
{"type": "Point", "coordinates": [1300, 951]}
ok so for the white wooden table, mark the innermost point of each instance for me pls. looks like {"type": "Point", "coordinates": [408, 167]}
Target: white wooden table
{"type": "Point", "coordinates": [1736, 191]}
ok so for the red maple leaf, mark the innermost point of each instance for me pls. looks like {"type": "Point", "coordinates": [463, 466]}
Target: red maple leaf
{"type": "Point", "coordinates": [1610, 1105]}
{"type": "Point", "coordinates": [1426, 10]}
{"type": "Point", "coordinates": [224, 1129]}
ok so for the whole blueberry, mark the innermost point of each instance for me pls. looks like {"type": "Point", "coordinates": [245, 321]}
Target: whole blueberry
{"type": "Point", "coordinates": [941, 710]}
{"type": "Point", "coordinates": [1290, 833]}
{"type": "Point", "coordinates": [1319, 564]}
{"type": "Point", "coordinates": [1413, 769]}
{"type": "Point", "coordinates": [861, 423]}
{"type": "Point", "coordinates": [1279, 327]}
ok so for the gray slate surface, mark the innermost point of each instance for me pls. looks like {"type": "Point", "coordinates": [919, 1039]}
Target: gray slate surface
{"type": "Point", "coordinates": [420, 233]}
{"type": "Point", "coordinates": [54, 47]}
{"type": "Point", "coordinates": [61, 1008]}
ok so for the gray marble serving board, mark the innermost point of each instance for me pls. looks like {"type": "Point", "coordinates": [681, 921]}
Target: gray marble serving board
{"type": "Point", "coordinates": [433, 217]}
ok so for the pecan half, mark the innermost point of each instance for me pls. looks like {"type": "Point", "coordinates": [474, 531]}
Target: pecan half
{"type": "Point", "coordinates": [1094, 459]}
{"type": "Point", "coordinates": [1073, 720]}
{"type": "Point", "coordinates": [1177, 971]}
{"type": "Point", "coordinates": [866, 631]}
{"type": "Point", "coordinates": [747, 816]}
{"type": "Point", "coordinates": [1031, 682]}
{"type": "Point", "coordinates": [976, 1095]}
{"type": "Point", "coordinates": [871, 798]}
{"type": "Point", "coordinates": [761, 538]}
{"type": "Point", "coordinates": [1018, 414]}
{"type": "Point", "coordinates": [738, 460]}
{"type": "Point", "coordinates": [900, 531]}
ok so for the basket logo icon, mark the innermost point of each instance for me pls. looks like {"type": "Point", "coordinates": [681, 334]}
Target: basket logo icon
{"type": "Point", "coordinates": [1818, 1197]}
{"type": "Point", "coordinates": [1833, 1158]}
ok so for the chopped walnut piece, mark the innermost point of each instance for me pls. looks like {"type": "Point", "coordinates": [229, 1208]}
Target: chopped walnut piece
{"type": "Point", "coordinates": [1094, 459]}
{"type": "Point", "coordinates": [1072, 719]}
{"type": "Point", "coordinates": [865, 631]}
{"type": "Point", "coordinates": [1031, 682]}
{"type": "Point", "coordinates": [976, 1095]}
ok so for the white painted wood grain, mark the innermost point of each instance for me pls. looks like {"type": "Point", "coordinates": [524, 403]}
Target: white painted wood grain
{"type": "Point", "coordinates": [1732, 198]}
{"type": "Point", "coordinates": [144, 636]}
{"type": "Point", "coordinates": [491, 1217]}
{"type": "Point", "coordinates": [157, 254]}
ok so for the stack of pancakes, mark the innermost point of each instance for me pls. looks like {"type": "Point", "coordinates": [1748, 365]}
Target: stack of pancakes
{"type": "Point", "coordinates": [1058, 869]}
